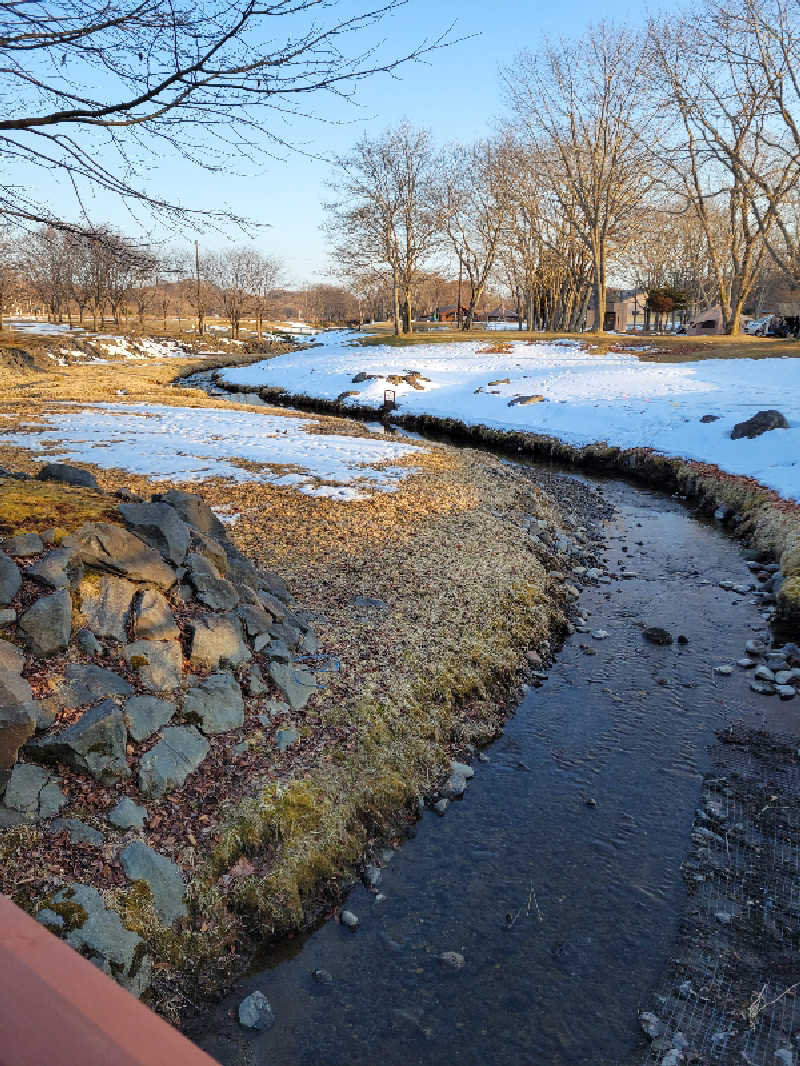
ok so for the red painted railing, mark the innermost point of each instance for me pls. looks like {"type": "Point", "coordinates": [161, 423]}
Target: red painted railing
{"type": "Point", "coordinates": [57, 1009]}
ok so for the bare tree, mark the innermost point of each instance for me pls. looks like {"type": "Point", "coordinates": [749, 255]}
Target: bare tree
{"type": "Point", "coordinates": [9, 274]}
{"type": "Point", "coordinates": [93, 87]}
{"type": "Point", "coordinates": [724, 160]}
{"type": "Point", "coordinates": [48, 264]}
{"type": "Point", "coordinates": [384, 216]}
{"type": "Point", "coordinates": [582, 107]}
{"type": "Point", "coordinates": [473, 203]}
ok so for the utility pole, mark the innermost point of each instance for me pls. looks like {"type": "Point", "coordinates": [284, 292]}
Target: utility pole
{"type": "Point", "coordinates": [200, 315]}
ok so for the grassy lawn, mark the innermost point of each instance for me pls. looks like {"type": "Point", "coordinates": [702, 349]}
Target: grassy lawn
{"type": "Point", "coordinates": [658, 349]}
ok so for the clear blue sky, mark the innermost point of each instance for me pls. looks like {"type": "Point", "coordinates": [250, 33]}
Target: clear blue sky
{"type": "Point", "coordinates": [455, 92]}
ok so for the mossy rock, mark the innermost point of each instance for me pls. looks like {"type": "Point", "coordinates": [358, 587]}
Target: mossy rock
{"type": "Point", "coordinates": [789, 602]}
{"type": "Point", "coordinates": [790, 560]}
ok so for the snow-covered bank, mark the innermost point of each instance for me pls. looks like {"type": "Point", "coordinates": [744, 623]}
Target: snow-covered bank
{"type": "Point", "coordinates": [194, 443]}
{"type": "Point", "coordinates": [586, 397]}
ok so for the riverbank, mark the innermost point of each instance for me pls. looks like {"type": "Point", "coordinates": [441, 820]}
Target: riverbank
{"type": "Point", "coordinates": [760, 517]}
{"type": "Point", "coordinates": [428, 604]}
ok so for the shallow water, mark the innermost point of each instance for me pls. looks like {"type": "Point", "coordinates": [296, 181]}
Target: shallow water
{"type": "Point", "coordinates": [564, 912]}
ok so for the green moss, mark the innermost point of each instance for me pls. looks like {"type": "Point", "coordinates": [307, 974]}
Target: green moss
{"type": "Point", "coordinates": [73, 914]}
{"type": "Point", "coordinates": [31, 504]}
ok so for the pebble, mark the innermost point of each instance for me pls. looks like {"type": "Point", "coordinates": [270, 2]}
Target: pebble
{"type": "Point", "coordinates": [452, 960]}
{"type": "Point", "coordinates": [724, 670]}
{"type": "Point", "coordinates": [349, 920]}
{"type": "Point", "coordinates": [682, 638]}
{"type": "Point", "coordinates": [482, 756]}
{"type": "Point", "coordinates": [724, 917]}
{"type": "Point", "coordinates": [746, 664]}
{"type": "Point", "coordinates": [591, 802]}
{"type": "Point", "coordinates": [256, 1013]}
{"type": "Point", "coordinates": [786, 692]}
{"type": "Point", "coordinates": [599, 634]}
{"type": "Point", "coordinates": [651, 1025]}
{"type": "Point", "coordinates": [322, 977]}
{"type": "Point", "coordinates": [441, 805]}
{"type": "Point", "coordinates": [763, 688]}
{"type": "Point", "coordinates": [373, 875]}
{"type": "Point", "coordinates": [763, 673]}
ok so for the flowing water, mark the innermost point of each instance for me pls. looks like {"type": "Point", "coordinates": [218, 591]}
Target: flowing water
{"type": "Point", "coordinates": [558, 876]}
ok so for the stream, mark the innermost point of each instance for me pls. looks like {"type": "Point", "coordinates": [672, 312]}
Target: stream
{"type": "Point", "coordinates": [557, 878]}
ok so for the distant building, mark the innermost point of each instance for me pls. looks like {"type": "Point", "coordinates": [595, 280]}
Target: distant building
{"type": "Point", "coordinates": [706, 323]}
{"type": "Point", "coordinates": [624, 311]}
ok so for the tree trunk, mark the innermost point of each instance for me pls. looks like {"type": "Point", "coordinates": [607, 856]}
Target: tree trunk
{"type": "Point", "coordinates": [407, 324]}
{"type": "Point", "coordinates": [396, 298]}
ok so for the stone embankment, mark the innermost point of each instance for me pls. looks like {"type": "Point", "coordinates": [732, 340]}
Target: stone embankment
{"type": "Point", "coordinates": [131, 654]}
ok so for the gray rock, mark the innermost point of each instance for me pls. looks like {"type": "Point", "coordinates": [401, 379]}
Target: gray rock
{"type": "Point", "coordinates": [451, 960]}
{"type": "Point", "coordinates": [95, 744]}
{"type": "Point", "coordinates": [79, 832]}
{"type": "Point", "coordinates": [47, 624]}
{"type": "Point", "coordinates": [105, 604]}
{"type": "Point", "coordinates": [726, 670]}
{"type": "Point", "coordinates": [160, 526]}
{"type": "Point", "coordinates": [145, 714]}
{"type": "Point", "coordinates": [216, 703]}
{"type": "Point", "coordinates": [370, 602]}
{"type": "Point", "coordinates": [455, 786]}
{"type": "Point", "coordinates": [51, 800]}
{"type": "Point", "coordinates": [322, 977]}
{"type": "Point", "coordinates": [762, 688]}
{"type": "Point", "coordinates": [746, 664]}
{"type": "Point", "coordinates": [8, 616]}
{"type": "Point", "coordinates": [152, 617]}
{"type": "Point", "coordinates": [784, 1057]}
{"type": "Point", "coordinates": [112, 947]}
{"type": "Point", "coordinates": [255, 619]}
{"type": "Point", "coordinates": [22, 791]}
{"type": "Point", "coordinates": [254, 682]}
{"type": "Point", "coordinates": [273, 650]}
{"type": "Point", "coordinates": [163, 876]}
{"type": "Point", "coordinates": [113, 549]}
{"type": "Point", "coordinates": [166, 766]}
{"type": "Point", "coordinates": [158, 663]}
{"type": "Point", "coordinates": [441, 805]}
{"type": "Point", "coordinates": [10, 579]}
{"type": "Point", "coordinates": [255, 1012]}
{"type": "Point", "coordinates": [128, 815]}
{"type": "Point", "coordinates": [276, 607]}
{"type": "Point", "coordinates": [50, 920]}
{"type": "Point", "coordinates": [786, 692]}
{"type": "Point", "coordinates": [763, 673]}
{"type": "Point", "coordinates": [284, 738]}
{"type": "Point", "coordinates": [86, 683]}
{"type": "Point", "coordinates": [651, 1025]}
{"type": "Point", "coordinates": [309, 644]}
{"type": "Point", "coordinates": [288, 634]}
{"type": "Point", "coordinates": [463, 769]}
{"type": "Point", "coordinates": [217, 640]}
{"type": "Point", "coordinates": [88, 642]}
{"type": "Point", "coordinates": [755, 649]}
{"type": "Point", "coordinates": [275, 586]}
{"type": "Point", "coordinates": [296, 684]}
{"type": "Point", "coordinates": [657, 635]}
{"type": "Point", "coordinates": [215, 592]}
{"type": "Point", "coordinates": [12, 658]}
{"type": "Point", "coordinates": [373, 875]}
{"type": "Point", "coordinates": [23, 545]}
{"type": "Point", "coordinates": [349, 920]}
{"type": "Point", "coordinates": [194, 511]}
{"type": "Point", "coordinates": [18, 716]}
{"type": "Point", "coordinates": [199, 565]}
{"type": "Point", "coordinates": [760, 423]}
{"type": "Point", "coordinates": [68, 475]}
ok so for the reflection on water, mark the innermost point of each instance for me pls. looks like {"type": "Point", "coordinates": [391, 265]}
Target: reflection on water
{"type": "Point", "coordinates": [564, 912]}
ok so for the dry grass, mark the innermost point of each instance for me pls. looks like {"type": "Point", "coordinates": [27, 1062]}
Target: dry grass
{"type": "Point", "coordinates": [664, 349]}
{"type": "Point", "coordinates": [401, 688]}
